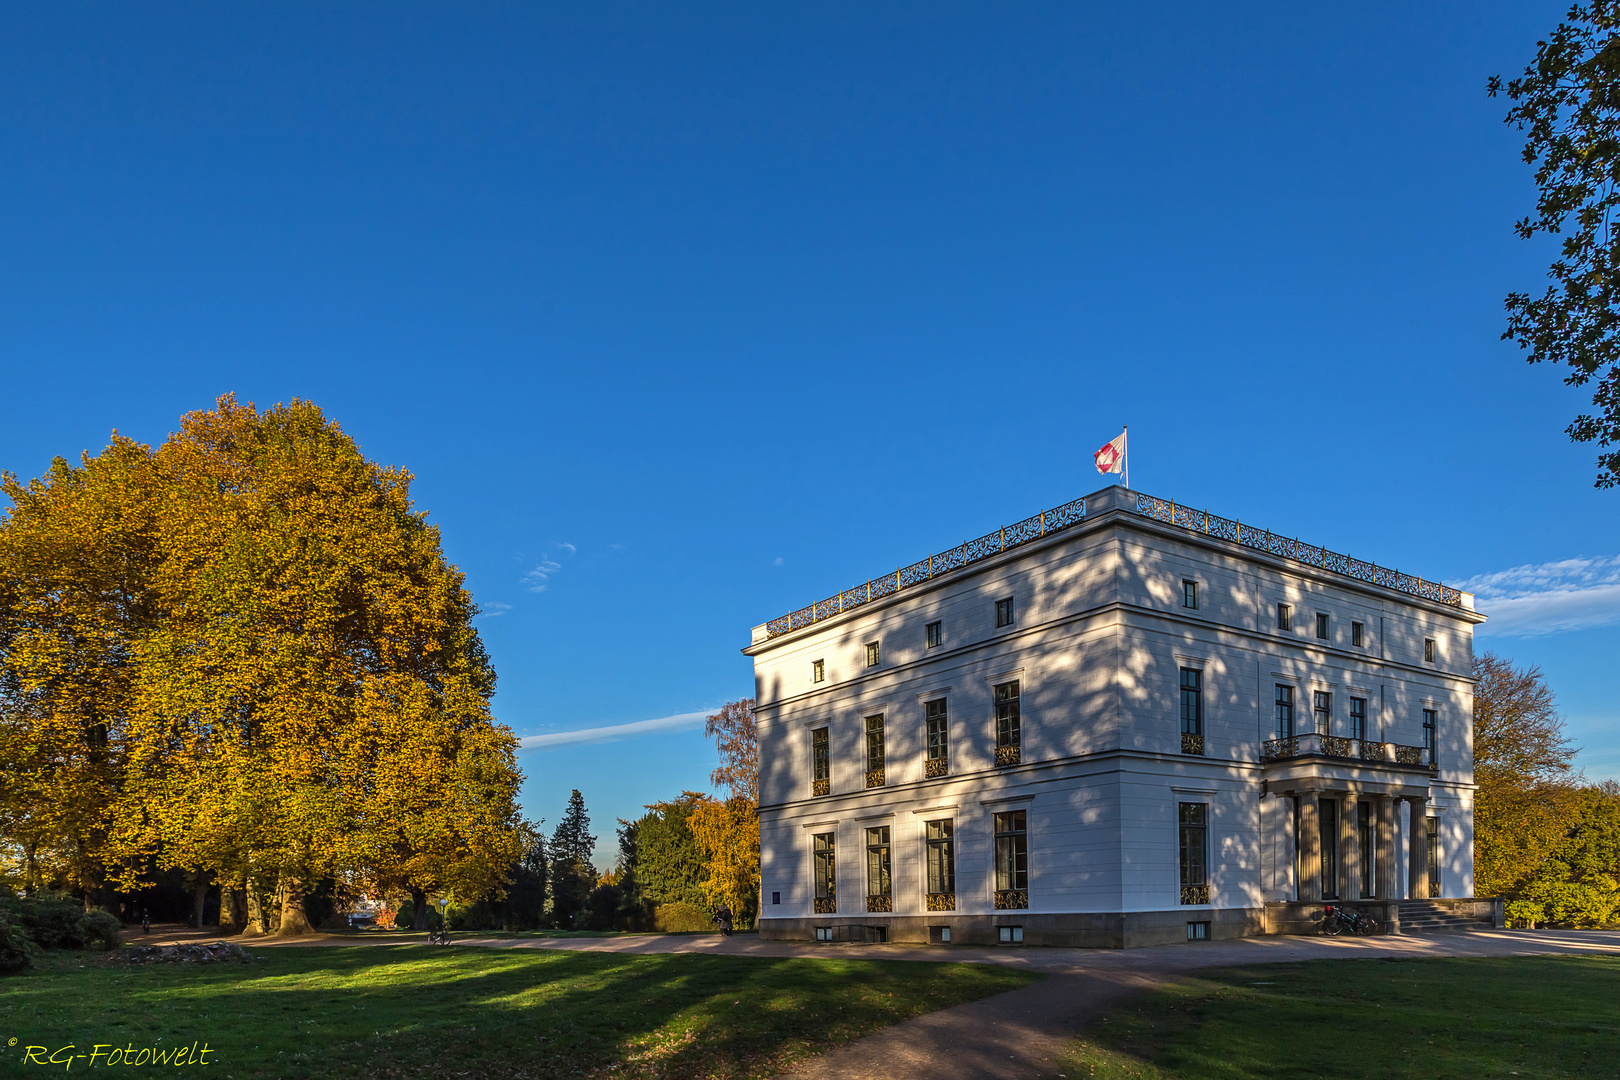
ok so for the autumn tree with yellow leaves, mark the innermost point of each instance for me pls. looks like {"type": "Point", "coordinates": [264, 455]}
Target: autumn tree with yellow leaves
{"type": "Point", "coordinates": [727, 832]}
{"type": "Point", "coordinates": [267, 663]}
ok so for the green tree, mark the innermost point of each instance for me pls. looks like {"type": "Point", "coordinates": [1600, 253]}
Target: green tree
{"type": "Point", "coordinates": [1578, 884]}
{"type": "Point", "coordinates": [1527, 793]}
{"type": "Point", "coordinates": [1568, 104]}
{"type": "Point", "coordinates": [572, 875]}
{"type": "Point", "coordinates": [669, 868]}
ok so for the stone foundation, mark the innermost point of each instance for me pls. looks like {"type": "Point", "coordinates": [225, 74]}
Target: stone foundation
{"type": "Point", "coordinates": [1105, 930]}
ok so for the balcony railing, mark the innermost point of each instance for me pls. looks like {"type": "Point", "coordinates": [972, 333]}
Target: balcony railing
{"type": "Point", "coordinates": [1195, 894]}
{"type": "Point", "coordinates": [1012, 899]}
{"type": "Point", "coordinates": [941, 901]}
{"type": "Point", "coordinates": [1008, 755]}
{"type": "Point", "coordinates": [1072, 513]}
{"type": "Point", "coordinates": [936, 766]}
{"type": "Point", "coordinates": [1192, 744]}
{"type": "Point", "coordinates": [874, 777]}
{"type": "Point", "coordinates": [878, 902]}
{"type": "Point", "coordinates": [826, 905]}
{"type": "Point", "coordinates": [821, 787]}
{"type": "Point", "coordinates": [1315, 744]}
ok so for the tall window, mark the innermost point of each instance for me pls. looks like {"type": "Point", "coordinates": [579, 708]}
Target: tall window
{"type": "Point", "coordinates": [1358, 718]}
{"type": "Point", "coordinates": [1004, 612]}
{"type": "Point", "coordinates": [936, 634]}
{"type": "Point", "coordinates": [1009, 726]}
{"type": "Point", "coordinates": [879, 887]}
{"type": "Point", "coordinates": [941, 865]}
{"type": "Point", "coordinates": [1192, 711]}
{"type": "Point", "coordinates": [1194, 837]}
{"type": "Point", "coordinates": [818, 671]}
{"type": "Point", "coordinates": [872, 654]}
{"type": "Point", "coordinates": [1189, 594]}
{"type": "Point", "coordinates": [1322, 706]}
{"type": "Point", "coordinates": [1428, 733]}
{"type": "Point", "coordinates": [1285, 617]}
{"type": "Point", "coordinates": [1327, 825]}
{"type": "Point", "coordinates": [874, 751]}
{"type": "Point", "coordinates": [1433, 824]}
{"type": "Point", "coordinates": [1285, 711]}
{"type": "Point", "coordinates": [1428, 650]}
{"type": "Point", "coordinates": [1364, 835]}
{"type": "Point", "coordinates": [820, 761]}
{"type": "Point", "coordinates": [1358, 634]}
{"type": "Point", "coordinates": [824, 871]}
{"type": "Point", "coordinates": [1012, 859]}
{"type": "Point", "coordinates": [1321, 625]}
{"type": "Point", "coordinates": [937, 762]}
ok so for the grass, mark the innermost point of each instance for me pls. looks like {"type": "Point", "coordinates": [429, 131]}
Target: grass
{"type": "Point", "coordinates": [423, 1011]}
{"type": "Point", "coordinates": [1525, 1017]}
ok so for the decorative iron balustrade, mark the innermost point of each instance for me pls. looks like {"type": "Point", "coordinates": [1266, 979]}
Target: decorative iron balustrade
{"type": "Point", "coordinates": [1202, 521]}
{"type": "Point", "coordinates": [1008, 755]}
{"type": "Point", "coordinates": [927, 569]}
{"type": "Point", "coordinates": [1195, 894]}
{"type": "Point", "coordinates": [879, 903]}
{"type": "Point", "coordinates": [1335, 746]}
{"type": "Point", "coordinates": [1192, 744]}
{"type": "Point", "coordinates": [1012, 899]}
{"type": "Point", "coordinates": [874, 777]}
{"type": "Point", "coordinates": [821, 787]}
{"type": "Point", "coordinates": [941, 901]}
{"type": "Point", "coordinates": [826, 905]}
{"type": "Point", "coordinates": [936, 766]}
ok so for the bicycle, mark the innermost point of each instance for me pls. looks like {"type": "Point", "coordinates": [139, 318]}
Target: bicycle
{"type": "Point", "coordinates": [1336, 920]}
{"type": "Point", "coordinates": [438, 937]}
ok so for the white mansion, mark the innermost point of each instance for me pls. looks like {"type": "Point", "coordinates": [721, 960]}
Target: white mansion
{"type": "Point", "coordinates": [1120, 722]}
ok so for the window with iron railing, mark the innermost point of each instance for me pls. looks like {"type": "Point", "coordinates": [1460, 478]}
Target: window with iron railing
{"type": "Point", "coordinates": [820, 762]}
{"type": "Point", "coordinates": [874, 751]}
{"type": "Point", "coordinates": [1009, 724]}
{"type": "Point", "coordinates": [879, 884]}
{"type": "Point", "coordinates": [1192, 711]}
{"type": "Point", "coordinates": [824, 873]}
{"type": "Point", "coordinates": [937, 762]}
{"type": "Point", "coordinates": [941, 856]}
{"type": "Point", "coordinates": [1194, 841]}
{"type": "Point", "coordinates": [1012, 859]}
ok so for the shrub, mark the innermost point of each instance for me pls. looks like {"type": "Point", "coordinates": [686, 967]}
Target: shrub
{"type": "Point", "coordinates": [681, 918]}
{"type": "Point", "coordinates": [101, 930]}
{"type": "Point", "coordinates": [17, 950]}
{"type": "Point", "coordinates": [55, 923]}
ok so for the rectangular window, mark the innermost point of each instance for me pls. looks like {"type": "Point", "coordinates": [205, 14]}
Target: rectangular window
{"type": "Point", "coordinates": [776, 898]}
{"type": "Point", "coordinates": [872, 654]}
{"type": "Point", "coordinates": [941, 861]}
{"type": "Point", "coordinates": [874, 751]}
{"type": "Point", "coordinates": [1009, 935]}
{"type": "Point", "coordinates": [1358, 634]}
{"type": "Point", "coordinates": [824, 872]}
{"type": "Point", "coordinates": [1358, 718]}
{"type": "Point", "coordinates": [1433, 824]}
{"type": "Point", "coordinates": [1198, 931]}
{"type": "Point", "coordinates": [1189, 594]}
{"type": "Point", "coordinates": [818, 671]}
{"type": "Point", "coordinates": [939, 733]}
{"type": "Point", "coordinates": [1322, 706]}
{"type": "Point", "coordinates": [1428, 650]}
{"type": "Point", "coordinates": [820, 761]}
{"type": "Point", "coordinates": [1285, 617]}
{"type": "Point", "coordinates": [1012, 859]}
{"type": "Point", "coordinates": [824, 933]}
{"type": "Point", "coordinates": [1009, 725]}
{"type": "Point", "coordinates": [1192, 711]}
{"type": "Point", "coordinates": [879, 887]}
{"type": "Point", "coordinates": [1004, 612]}
{"type": "Point", "coordinates": [1364, 837]}
{"type": "Point", "coordinates": [1327, 824]}
{"type": "Point", "coordinates": [936, 634]}
{"type": "Point", "coordinates": [1194, 839]}
{"type": "Point", "coordinates": [1285, 711]}
{"type": "Point", "coordinates": [1321, 625]}
{"type": "Point", "coordinates": [1428, 733]}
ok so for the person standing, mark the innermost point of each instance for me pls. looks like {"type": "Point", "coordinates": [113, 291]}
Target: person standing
{"type": "Point", "coordinates": [146, 920]}
{"type": "Point", "coordinates": [723, 917]}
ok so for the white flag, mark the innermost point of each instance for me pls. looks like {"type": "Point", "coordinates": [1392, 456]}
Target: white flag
{"type": "Point", "coordinates": [1111, 458]}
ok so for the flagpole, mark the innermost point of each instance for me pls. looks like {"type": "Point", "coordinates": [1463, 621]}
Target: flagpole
{"type": "Point", "coordinates": [1125, 429]}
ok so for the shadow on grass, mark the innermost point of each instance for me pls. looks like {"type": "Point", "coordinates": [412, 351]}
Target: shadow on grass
{"type": "Point", "coordinates": [423, 1011]}
{"type": "Point", "coordinates": [1462, 1018]}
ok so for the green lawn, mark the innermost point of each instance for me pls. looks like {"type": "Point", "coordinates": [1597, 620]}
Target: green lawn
{"type": "Point", "coordinates": [1525, 1017]}
{"type": "Point", "coordinates": [425, 1011]}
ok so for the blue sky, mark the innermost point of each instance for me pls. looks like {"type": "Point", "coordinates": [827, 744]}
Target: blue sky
{"type": "Point", "coordinates": [686, 317]}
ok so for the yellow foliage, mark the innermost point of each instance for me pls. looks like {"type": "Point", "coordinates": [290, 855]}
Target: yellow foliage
{"type": "Point", "coordinates": [727, 834]}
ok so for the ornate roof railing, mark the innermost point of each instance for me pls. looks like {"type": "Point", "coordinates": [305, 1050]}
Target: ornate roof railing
{"type": "Point", "coordinates": [1072, 513]}
{"type": "Point", "coordinates": [1202, 521]}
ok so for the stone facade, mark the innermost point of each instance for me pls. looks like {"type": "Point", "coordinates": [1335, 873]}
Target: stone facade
{"type": "Point", "coordinates": [1082, 738]}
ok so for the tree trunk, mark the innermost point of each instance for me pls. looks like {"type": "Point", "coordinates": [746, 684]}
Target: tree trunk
{"type": "Point", "coordinates": [294, 919]}
{"type": "Point", "coordinates": [199, 899]}
{"type": "Point", "coordinates": [232, 910]}
{"type": "Point", "coordinates": [418, 909]}
{"type": "Point", "coordinates": [31, 870]}
{"type": "Point", "coordinates": [255, 908]}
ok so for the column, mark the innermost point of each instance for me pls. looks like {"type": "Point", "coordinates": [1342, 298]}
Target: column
{"type": "Point", "coordinates": [1349, 849]}
{"type": "Point", "coordinates": [1309, 840]}
{"type": "Point", "coordinates": [1418, 857]}
{"type": "Point", "coordinates": [1388, 845]}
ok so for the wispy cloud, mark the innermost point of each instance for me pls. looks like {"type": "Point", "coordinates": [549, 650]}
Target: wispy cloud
{"type": "Point", "coordinates": [1546, 598]}
{"type": "Point", "coordinates": [537, 579]}
{"type": "Point", "coordinates": [493, 610]}
{"type": "Point", "coordinates": [613, 732]}
{"type": "Point", "coordinates": [570, 548]}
